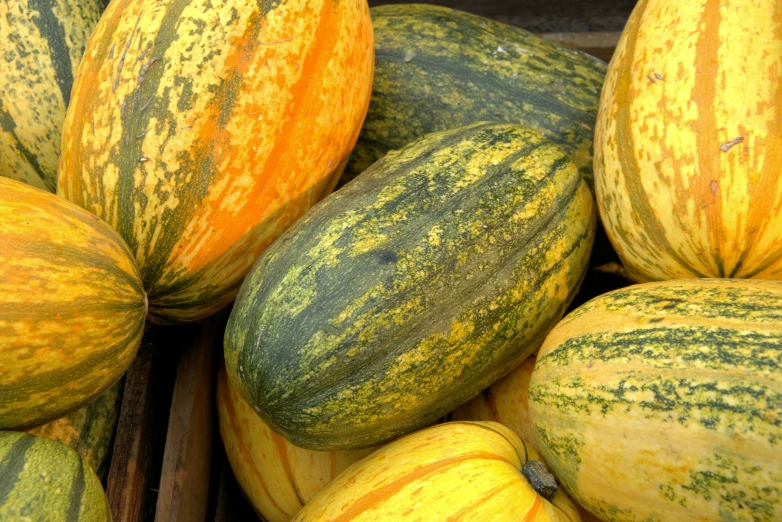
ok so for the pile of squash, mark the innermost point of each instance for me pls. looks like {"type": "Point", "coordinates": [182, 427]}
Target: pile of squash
{"type": "Point", "coordinates": [544, 288]}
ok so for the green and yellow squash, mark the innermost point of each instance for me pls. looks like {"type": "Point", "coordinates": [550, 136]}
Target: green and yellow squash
{"type": "Point", "coordinates": [202, 129]}
{"type": "Point", "coordinates": [460, 471]}
{"type": "Point", "coordinates": [413, 288]}
{"type": "Point", "coordinates": [688, 144]}
{"type": "Point", "coordinates": [44, 480]}
{"type": "Point", "coordinates": [71, 306]}
{"type": "Point", "coordinates": [89, 430]}
{"type": "Point", "coordinates": [43, 42]}
{"type": "Point", "coordinates": [438, 68]}
{"type": "Point", "coordinates": [663, 401]}
{"type": "Point", "coordinates": [277, 477]}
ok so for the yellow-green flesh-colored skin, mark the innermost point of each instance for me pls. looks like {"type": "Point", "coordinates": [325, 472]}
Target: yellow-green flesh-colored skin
{"type": "Point", "coordinates": [42, 480]}
{"type": "Point", "coordinates": [414, 287]}
{"type": "Point", "coordinates": [89, 430]}
{"type": "Point", "coordinates": [43, 41]}
{"type": "Point", "coordinates": [438, 69]}
{"type": "Point", "coordinates": [202, 129]}
{"type": "Point", "coordinates": [458, 471]}
{"type": "Point", "coordinates": [663, 401]}
{"type": "Point", "coordinates": [72, 307]}
{"type": "Point", "coordinates": [688, 143]}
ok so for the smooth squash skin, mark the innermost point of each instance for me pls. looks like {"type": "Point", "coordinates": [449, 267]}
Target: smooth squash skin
{"type": "Point", "coordinates": [468, 471]}
{"type": "Point", "coordinates": [688, 143]}
{"type": "Point", "coordinates": [43, 42]}
{"type": "Point", "coordinates": [411, 289]}
{"type": "Point", "coordinates": [438, 69]}
{"type": "Point", "coordinates": [277, 477]}
{"type": "Point", "coordinates": [202, 129]}
{"type": "Point", "coordinates": [44, 480]}
{"type": "Point", "coordinates": [72, 307]}
{"type": "Point", "coordinates": [662, 401]}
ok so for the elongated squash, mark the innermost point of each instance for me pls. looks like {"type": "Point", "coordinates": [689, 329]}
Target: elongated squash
{"type": "Point", "coordinates": [89, 430]}
{"type": "Point", "coordinates": [688, 144]}
{"type": "Point", "coordinates": [43, 41]}
{"type": "Point", "coordinates": [414, 287]}
{"type": "Point", "coordinates": [439, 68]}
{"type": "Point", "coordinates": [663, 401]}
{"type": "Point", "coordinates": [474, 471]}
{"type": "Point", "coordinates": [277, 477]}
{"type": "Point", "coordinates": [42, 479]}
{"type": "Point", "coordinates": [202, 129]}
{"type": "Point", "coordinates": [71, 306]}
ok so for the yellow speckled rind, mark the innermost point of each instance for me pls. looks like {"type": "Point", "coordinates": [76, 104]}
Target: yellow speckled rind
{"type": "Point", "coordinates": [663, 401]}
{"type": "Point", "coordinates": [688, 143]}
{"type": "Point", "coordinates": [414, 287]}
{"type": "Point", "coordinates": [43, 41]}
{"type": "Point", "coordinates": [71, 306]}
{"type": "Point", "coordinates": [42, 479]}
{"type": "Point", "coordinates": [201, 129]}
{"type": "Point", "coordinates": [277, 477]}
{"type": "Point", "coordinates": [454, 471]}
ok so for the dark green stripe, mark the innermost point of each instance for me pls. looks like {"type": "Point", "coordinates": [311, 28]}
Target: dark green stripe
{"type": "Point", "coordinates": [76, 494]}
{"type": "Point", "coordinates": [8, 124]}
{"type": "Point", "coordinates": [13, 464]}
{"type": "Point", "coordinates": [52, 30]}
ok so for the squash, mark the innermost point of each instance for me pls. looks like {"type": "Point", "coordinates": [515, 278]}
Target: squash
{"type": "Point", "coordinates": [43, 41]}
{"type": "Point", "coordinates": [42, 479]}
{"type": "Point", "coordinates": [411, 289]}
{"type": "Point", "coordinates": [475, 471]}
{"type": "Point", "coordinates": [71, 306]}
{"type": "Point", "coordinates": [662, 401]}
{"type": "Point", "coordinates": [202, 129]}
{"type": "Point", "coordinates": [438, 69]}
{"type": "Point", "coordinates": [688, 143]}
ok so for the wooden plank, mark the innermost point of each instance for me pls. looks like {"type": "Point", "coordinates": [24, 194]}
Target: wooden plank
{"type": "Point", "coordinates": [185, 478]}
{"type": "Point", "coordinates": [138, 445]}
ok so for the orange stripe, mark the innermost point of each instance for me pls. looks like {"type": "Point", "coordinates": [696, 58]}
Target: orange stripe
{"type": "Point", "coordinates": [470, 509]}
{"type": "Point", "coordinates": [281, 449]}
{"type": "Point", "coordinates": [534, 509]}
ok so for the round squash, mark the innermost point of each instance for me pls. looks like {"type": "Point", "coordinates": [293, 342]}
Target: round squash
{"type": "Point", "coordinates": [71, 306]}
{"type": "Point", "coordinates": [473, 471]}
{"type": "Point", "coordinates": [688, 144]}
{"type": "Point", "coordinates": [663, 401]}
{"type": "Point", "coordinates": [414, 287]}
{"type": "Point", "coordinates": [43, 41]}
{"type": "Point", "coordinates": [202, 129]}
{"type": "Point", "coordinates": [42, 479]}
{"type": "Point", "coordinates": [277, 477]}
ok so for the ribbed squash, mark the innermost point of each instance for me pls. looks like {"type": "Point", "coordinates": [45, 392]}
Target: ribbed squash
{"type": "Point", "coordinates": [43, 41]}
{"type": "Point", "coordinates": [277, 477]}
{"type": "Point", "coordinates": [42, 479]}
{"type": "Point", "coordinates": [688, 144]}
{"type": "Point", "coordinates": [71, 306]}
{"type": "Point", "coordinates": [663, 401]}
{"type": "Point", "coordinates": [438, 69]}
{"type": "Point", "coordinates": [89, 430]}
{"type": "Point", "coordinates": [414, 287]}
{"type": "Point", "coordinates": [202, 129]}
{"type": "Point", "coordinates": [469, 471]}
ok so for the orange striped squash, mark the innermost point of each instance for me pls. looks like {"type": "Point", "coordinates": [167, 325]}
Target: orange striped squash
{"type": "Point", "coordinates": [468, 471]}
{"type": "Point", "coordinates": [277, 477]}
{"type": "Point", "coordinates": [202, 129]}
{"type": "Point", "coordinates": [688, 144]}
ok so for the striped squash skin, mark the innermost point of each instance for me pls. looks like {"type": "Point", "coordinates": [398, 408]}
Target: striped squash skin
{"type": "Point", "coordinates": [89, 430]}
{"type": "Point", "coordinates": [438, 68]}
{"type": "Point", "coordinates": [71, 306]}
{"type": "Point", "coordinates": [467, 471]}
{"type": "Point", "coordinates": [201, 129]}
{"type": "Point", "coordinates": [680, 194]}
{"type": "Point", "coordinates": [43, 41]}
{"type": "Point", "coordinates": [42, 479]}
{"type": "Point", "coordinates": [277, 477]}
{"type": "Point", "coordinates": [663, 401]}
{"type": "Point", "coordinates": [413, 288]}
